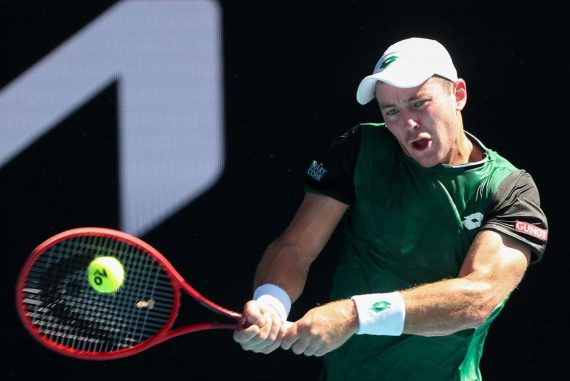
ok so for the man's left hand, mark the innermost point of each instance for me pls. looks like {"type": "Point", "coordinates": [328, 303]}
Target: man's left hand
{"type": "Point", "coordinates": [322, 329]}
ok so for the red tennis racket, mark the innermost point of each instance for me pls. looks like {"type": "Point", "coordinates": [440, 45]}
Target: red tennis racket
{"type": "Point", "coordinates": [59, 308]}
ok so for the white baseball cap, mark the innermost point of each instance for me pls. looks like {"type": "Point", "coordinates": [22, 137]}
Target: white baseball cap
{"type": "Point", "coordinates": [408, 63]}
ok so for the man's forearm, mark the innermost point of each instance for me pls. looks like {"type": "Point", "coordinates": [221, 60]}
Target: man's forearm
{"type": "Point", "coordinates": [448, 306]}
{"type": "Point", "coordinates": [285, 266]}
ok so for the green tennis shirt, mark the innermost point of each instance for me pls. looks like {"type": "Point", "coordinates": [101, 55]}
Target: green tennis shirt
{"type": "Point", "coordinates": [408, 225]}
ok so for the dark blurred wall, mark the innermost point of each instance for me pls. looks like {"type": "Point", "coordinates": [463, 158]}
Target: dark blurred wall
{"type": "Point", "coordinates": [289, 77]}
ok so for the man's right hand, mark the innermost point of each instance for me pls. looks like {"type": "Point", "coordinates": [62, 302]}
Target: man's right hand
{"type": "Point", "coordinates": [263, 328]}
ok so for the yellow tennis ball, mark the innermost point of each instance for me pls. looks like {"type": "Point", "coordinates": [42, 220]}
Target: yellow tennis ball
{"type": "Point", "coordinates": [106, 274]}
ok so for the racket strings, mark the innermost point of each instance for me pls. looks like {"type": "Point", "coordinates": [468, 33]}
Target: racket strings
{"type": "Point", "coordinates": [64, 308]}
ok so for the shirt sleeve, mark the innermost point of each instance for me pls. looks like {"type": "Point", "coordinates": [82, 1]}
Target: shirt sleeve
{"type": "Point", "coordinates": [515, 211]}
{"type": "Point", "coordinates": [332, 171]}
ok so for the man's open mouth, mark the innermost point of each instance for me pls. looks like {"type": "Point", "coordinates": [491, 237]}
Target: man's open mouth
{"type": "Point", "coordinates": [420, 144]}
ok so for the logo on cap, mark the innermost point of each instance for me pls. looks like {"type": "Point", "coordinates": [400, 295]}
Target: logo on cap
{"type": "Point", "coordinates": [389, 60]}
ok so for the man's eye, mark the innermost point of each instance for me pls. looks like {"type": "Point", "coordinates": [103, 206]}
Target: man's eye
{"type": "Point", "coordinates": [419, 104]}
{"type": "Point", "coordinates": [392, 112]}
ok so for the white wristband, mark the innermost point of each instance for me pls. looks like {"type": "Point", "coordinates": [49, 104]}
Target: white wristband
{"type": "Point", "coordinates": [274, 296]}
{"type": "Point", "coordinates": [380, 314]}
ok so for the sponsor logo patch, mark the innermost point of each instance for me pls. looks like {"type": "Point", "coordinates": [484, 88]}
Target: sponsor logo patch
{"type": "Point", "coordinates": [380, 306]}
{"type": "Point", "coordinates": [532, 230]}
{"type": "Point", "coordinates": [473, 221]}
{"type": "Point", "coordinates": [316, 171]}
{"type": "Point", "coordinates": [384, 64]}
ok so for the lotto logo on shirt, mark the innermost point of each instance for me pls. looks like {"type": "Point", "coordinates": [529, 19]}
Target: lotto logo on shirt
{"type": "Point", "coordinates": [316, 171]}
{"type": "Point", "coordinates": [531, 230]}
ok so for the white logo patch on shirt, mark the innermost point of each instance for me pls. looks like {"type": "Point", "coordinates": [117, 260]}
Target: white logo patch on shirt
{"type": "Point", "coordinates": [473, 220]}
{"type": "Point", "coordinates": [316, 171]}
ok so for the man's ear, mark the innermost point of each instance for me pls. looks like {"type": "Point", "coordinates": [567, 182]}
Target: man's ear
{"type": "Point", "coordinates": [460, 94]}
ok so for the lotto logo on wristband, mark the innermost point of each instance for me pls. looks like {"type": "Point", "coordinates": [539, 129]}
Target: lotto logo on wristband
{"type": "Point", "coordinates": [380, 313]}
{"type": "Point", "coordinates": [380, 306]}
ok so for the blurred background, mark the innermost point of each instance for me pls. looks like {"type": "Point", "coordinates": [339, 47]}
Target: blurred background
{"type": "Point", "coordinates": [190, 123]}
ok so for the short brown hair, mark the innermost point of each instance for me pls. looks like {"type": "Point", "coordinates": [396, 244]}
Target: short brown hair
{"type": "Point", "coordinates": [447, 84]}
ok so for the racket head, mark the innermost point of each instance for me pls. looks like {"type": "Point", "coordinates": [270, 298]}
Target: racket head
{"type": "Point", "coordinates": [59, 308]}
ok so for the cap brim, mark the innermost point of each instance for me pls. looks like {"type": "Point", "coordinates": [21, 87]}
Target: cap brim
{"type": "Point", "coordinates": [366, 90]}
{"type": "Point", "coordinates": [402, 79]}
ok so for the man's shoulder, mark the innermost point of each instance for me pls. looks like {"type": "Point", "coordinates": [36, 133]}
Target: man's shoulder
{"type": "Point", "coordinates": [372, 127]}
{"type": "Point", "coordinates": [501, 164]}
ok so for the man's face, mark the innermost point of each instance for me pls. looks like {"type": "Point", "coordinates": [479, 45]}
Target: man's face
{"type": "Point", "coordinates": [425, 120]}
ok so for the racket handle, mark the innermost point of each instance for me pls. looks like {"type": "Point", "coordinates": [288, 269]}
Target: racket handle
{"type": "Point", "coordinates": [243, 323]}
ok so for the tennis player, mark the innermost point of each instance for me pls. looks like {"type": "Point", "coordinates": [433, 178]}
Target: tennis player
{"type": "Point", "coordinates": [439, 231]}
